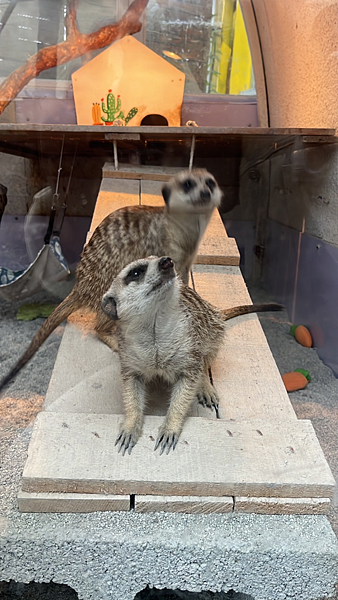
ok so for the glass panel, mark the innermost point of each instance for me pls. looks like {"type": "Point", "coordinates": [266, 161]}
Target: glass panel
{"type": "Point", "coordinates": [205, 39]}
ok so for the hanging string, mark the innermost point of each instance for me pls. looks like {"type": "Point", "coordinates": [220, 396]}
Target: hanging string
{"type": "Point", "coordinates": [61, 216]}
{"type": "Point", "coordinates": [56, 193]}
{"type": "Point", "coordinates": [116, 163]}
{"type": "Point", "coordinates": [192, 152]}
{"type": "Point", "coordinates": [50, 227]}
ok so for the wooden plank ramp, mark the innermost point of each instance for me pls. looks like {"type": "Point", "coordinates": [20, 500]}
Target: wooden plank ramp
{"type": "Point", "coordinates": [254, 456]}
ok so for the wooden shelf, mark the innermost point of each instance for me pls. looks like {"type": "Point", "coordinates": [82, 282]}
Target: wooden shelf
{"type": "Point", "coordinates": [34, 140]}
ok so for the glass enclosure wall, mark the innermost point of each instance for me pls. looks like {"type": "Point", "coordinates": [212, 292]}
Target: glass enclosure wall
{"type": "Point", "coordinates": [205, 39]}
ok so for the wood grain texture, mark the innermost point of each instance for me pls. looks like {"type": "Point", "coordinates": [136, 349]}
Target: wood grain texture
{"type": "Point", "coordinates": [253, 399]}
{"type": "Point", "coordinates": [76, 453]}
{"type": "Point", "coordinates": [216, 227]}
{"type": "Point", "coordinates": [184, 504]}
{"type": "Point", "coordinates": [71, 503]}
{"type": "Point", "coordinates": [126, 171]}
{"type": "Point", "coordinates": [213, 251]}
{"type": "Point", "coordinates": [216, 248]}
{"type": "Point", "coordinates": [244, 373]}
{"type": "Point", "coordinates": [170, 132]}
{"type": "Point", "coordinates": [282, 506]}
{"type": "Point", "coordinates": [222, 286]}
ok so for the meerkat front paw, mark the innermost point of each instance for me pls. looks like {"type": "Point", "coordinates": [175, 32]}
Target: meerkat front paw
{"type": "Point", "coordinates": [167, 440]}
{"type": "Point", "coordinates": [127, 439]}
{"type": "Point", "coordinates": [207, 395]}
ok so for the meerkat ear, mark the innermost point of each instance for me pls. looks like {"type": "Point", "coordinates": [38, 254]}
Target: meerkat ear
{"type": "Point", "coordinates": [109, 307]}
{"type": "Point", "coordinates": [166, 193]}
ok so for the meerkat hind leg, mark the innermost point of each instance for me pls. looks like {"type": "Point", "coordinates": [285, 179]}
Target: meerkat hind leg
{"type": "Point", "coordinates": [183, 395]}
{"type": "Point", "coordinates": [206, 394]}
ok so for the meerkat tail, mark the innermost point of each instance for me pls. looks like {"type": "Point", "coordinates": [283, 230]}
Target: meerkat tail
{"type": "Point", "coordinates": [61, 312]}
{"type": "Point", "coordinates": [246, 309]}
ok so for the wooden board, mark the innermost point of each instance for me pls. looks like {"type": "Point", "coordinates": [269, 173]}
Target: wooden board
{"type": "Point", "coordinates": [244, 373]}
{"type": "Point", "coordinates": [25, 139]}
{"type": "Point", "coordinates": [216, 248]}
{"type": "Point", "coordinates": [217, 251]}
{"type": "Point", "coordinates": [86, 503]}
{"type": "Point", "coordinates": [28, 129]}
{"type": "Point", "coordinates": [127, 171]}
{"type": "Point", "coordinates": [222, 286]}
{"type": "Point", "coordinates": [184, 504]}
{"type": "Point", "coordinates": [71, 503]}
{"type": "Point", "coordinates": [282, 506]}
{"type": "Point", "coordinates": [75, 453]}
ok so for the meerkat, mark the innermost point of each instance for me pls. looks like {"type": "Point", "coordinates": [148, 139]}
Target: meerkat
{"type": "Point", "coordinates": [128, 234]}
{"type": "Point", "coordinates": [165, 330]}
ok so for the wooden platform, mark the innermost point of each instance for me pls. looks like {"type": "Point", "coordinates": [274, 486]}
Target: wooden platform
{"type": "Point", "coordinates": [255, 457]}
{"type": "Point", "coordinates": [36, 140]}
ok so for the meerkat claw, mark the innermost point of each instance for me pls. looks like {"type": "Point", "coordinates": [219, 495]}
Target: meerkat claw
{"type": "Point", "coordinates": [158, 441]}
{"type": "Point", "coordinates": [125, 442]}
{"type": "Point", "coordinates": [167, 442]}
{"type": "Point", "coordinates": [208, 400]}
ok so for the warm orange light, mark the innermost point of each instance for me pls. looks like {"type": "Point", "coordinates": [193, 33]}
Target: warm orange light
{"type": "Point", "coordinates": [171, 55]}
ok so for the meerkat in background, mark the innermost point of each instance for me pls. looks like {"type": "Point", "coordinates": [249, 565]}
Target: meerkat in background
{"type": "Point", "coordinates": [165, 330]}
{"type": "Point", "coordinates": [131, 233]}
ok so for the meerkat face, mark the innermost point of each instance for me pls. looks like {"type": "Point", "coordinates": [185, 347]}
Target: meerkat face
{"type": "Point", "coordinates": [195, 191]}
{"type": "Point", "coordinates": [140, 289]}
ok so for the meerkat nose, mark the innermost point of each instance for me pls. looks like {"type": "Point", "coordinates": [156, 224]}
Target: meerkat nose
{"type": "Point", "coordinates": [205, 195]}
{"type": "Point", "coordinates": [165, 263]}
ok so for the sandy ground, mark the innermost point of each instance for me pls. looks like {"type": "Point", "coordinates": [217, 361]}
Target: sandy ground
{"type": "Point", "coordinates": [319, 400]}
{"type": "Point", "coordinates": [24, 397]}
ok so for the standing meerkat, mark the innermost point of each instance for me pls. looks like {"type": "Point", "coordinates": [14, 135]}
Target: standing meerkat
{"type": "Point", "coordinates": [128, 234]}
{"type": "Point", "coordinates": [165, 330]}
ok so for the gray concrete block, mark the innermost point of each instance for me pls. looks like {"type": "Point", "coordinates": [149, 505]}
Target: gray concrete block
{"type": "Point", "coordinates": [106, 556]}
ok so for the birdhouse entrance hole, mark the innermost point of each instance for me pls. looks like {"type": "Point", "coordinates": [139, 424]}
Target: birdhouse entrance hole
{"type": "Point", "coordinates": [154, 120]}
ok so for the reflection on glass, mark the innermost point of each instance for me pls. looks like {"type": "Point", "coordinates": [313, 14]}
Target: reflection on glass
{"type": "Point", "coordinates": [205, 39]}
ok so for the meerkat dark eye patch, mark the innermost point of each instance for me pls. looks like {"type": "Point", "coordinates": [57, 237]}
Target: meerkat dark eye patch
{"type": "Point", "coordinates": [188, 184]}
{"type": "Point", "coordinates": [136, 274]}
{"type": "Point", "coordinates": [211, 184]}
{"type": "Point", "coordinates": [166, 193]}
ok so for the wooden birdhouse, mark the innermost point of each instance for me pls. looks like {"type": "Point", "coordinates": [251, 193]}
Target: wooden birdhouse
{"type": "Point", "coordinates": [125, 84]}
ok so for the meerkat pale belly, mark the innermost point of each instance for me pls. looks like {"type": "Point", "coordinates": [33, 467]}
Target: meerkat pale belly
{"type": "Point", "coordinates": [128, 234]}
{"type": "Point", "coordinates": [165, 330]}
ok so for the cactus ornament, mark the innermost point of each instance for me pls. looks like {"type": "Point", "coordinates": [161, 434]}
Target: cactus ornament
{"type": "Point", "coordinates": [114, 112]}
{"type": "Point", "coordinates": [131, 114]}
{"type": "Point", "coordinates": [96, 114]}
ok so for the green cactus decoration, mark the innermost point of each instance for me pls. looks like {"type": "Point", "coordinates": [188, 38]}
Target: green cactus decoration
{"type": "Point", "coordinates": [113, 110]}
{"type": "Point", "coordinates": [131, 114]}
